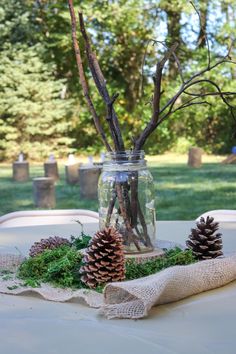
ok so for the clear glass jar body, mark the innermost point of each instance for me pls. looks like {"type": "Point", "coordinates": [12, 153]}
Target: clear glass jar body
{"type": "Point", "coordinates": [127, 200]}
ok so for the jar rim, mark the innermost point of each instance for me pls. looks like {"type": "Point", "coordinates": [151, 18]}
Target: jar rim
{"type": "Point", "coordinates": [125, 155]}
{"type": "Point", "coordinates": [128, 158]}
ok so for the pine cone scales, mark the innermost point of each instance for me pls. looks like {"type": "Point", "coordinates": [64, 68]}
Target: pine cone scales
{"type": "Point", "coordinates": [47, 244]}
{"type": "Point", "coordinates": [204, 242]}
{"type": "Point", "coordinates": [104, 259]}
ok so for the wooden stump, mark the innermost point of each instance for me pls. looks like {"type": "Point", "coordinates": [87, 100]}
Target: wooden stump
{"type": "Point", "coordinates": [195, 157]}
{"type": "Point", "coordinates": [88, 177]}
{"type": "Point", "coordinates": [51, 170]}
{"type": "Point", "coordinates": [44, 192]}
{"type": "Point", "coordinates": [231, 159]}
{"type": "Point", "coordinates": [72, 173]}
{"type": "Point", "coordinates": [20, 171]}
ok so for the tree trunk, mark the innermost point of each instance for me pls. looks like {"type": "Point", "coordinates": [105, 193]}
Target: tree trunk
{"type": "Point", "coordinates": [173, 28]}
{"type": "Point", "coordinates": [203, 26]}
{"type": "Point", "coordinates": [229, 12]}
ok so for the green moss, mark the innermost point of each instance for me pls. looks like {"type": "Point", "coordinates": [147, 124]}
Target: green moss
{"type": "Point", "coordinates": [171, 258]}
{"type": "Point", "coordinates": [59, 266]}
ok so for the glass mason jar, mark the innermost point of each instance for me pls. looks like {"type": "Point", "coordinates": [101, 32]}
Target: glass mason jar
{"type": "Point", "coordinates": [127, 199]}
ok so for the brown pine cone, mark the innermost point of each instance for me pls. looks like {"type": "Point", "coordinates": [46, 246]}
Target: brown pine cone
{"type": "Point", "coordinates": [204, 242]}
{"type": "Point", "coordinates": [104, 259]}
{"type": "Point", "coordinates": [47, 244]}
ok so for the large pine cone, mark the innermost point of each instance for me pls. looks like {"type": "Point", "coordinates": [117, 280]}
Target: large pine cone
{"type": "Point", "coordinates": [104, 259]}
{"type": "Point", "coordinates": [47, 244]}
{"type": "Point", "coordinates": [204, 242]}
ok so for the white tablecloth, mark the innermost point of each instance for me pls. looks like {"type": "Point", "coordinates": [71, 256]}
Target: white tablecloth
{"type": "Point", "coordinates": [201, 324]}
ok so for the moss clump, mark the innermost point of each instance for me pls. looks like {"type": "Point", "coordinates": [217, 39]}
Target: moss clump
{"type": "Point", "coordinates": [59, 266]}
{"type": "Point", "coordinates": [172, 257]}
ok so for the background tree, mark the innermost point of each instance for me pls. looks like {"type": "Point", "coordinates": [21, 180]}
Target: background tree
{"type": "Point", "coordinates": [33, 111]}
{"type": "Point", "coordinates": [34, 117]}
{"type": "Point", "coordinates": [121, 31]}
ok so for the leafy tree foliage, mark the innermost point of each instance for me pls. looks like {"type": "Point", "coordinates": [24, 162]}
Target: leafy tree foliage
{"type": "Point", "coordinates": [42, 106]}
{"type": "Point", "coordinates": [33, 113]}
{"type": "Point", "coordinates": [33, 117]}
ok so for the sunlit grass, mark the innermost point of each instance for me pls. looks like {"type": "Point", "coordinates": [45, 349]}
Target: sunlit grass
{"type": "Point", "coordinates": [185, 193]}
{"type": "Point", "coordinates": [182, 192]}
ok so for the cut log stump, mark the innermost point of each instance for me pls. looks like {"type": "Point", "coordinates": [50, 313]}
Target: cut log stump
{"type": "Point", "coordinates": [20, 171]}
{"type": "Point", "coordinates": [231, 159]}
{"type": "Point", "coordinates": [51, 170]}
{"type": "Point", "coordinates": [195, 157]}
{"type": "Point", "coordinates": [72, 173]}
{"type": "Point", "coordinates": [44, 192]}
{"type": "Point", "coordinates": [88, 178]}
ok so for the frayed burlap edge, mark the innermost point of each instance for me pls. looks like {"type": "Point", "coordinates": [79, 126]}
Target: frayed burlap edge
{"type": "Point", "coordinates": [10, 284]}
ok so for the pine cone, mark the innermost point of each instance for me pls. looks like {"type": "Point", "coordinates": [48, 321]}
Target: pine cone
{"type": "Point", "coordinates": [47, 244]}
{"type": "Point", "coordinates": [104, 259]}
{"type": "Point", "coordinates": [203, 241]}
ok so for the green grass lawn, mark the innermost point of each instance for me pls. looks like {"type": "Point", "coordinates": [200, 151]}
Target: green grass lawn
{"type": "Point", "coordinates": [181, 193]}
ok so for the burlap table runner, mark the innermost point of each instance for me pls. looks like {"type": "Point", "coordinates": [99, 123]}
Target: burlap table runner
{"type": "Point", "coordinates": [133, 299]}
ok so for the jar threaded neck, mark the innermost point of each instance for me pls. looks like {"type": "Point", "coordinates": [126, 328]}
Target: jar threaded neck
{"type": "Point", "coordinates": [127, 155]}
{"type": "Point", "coordinates": [131, 160]}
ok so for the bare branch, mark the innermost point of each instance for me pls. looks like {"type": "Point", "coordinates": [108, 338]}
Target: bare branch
{"type": "Point", "coordinates": [151, 126]}
{"type": "Point", "coordinates": [110, 113]}
{"type": "Point", "coordinates": [203, 71]}
{"type": "Point", "coordinates": [186, 83]}
{"type": "Point", "coordinates": [82, 77]}
{"type": "Point", "coordinates": [175, 58]}
{"type": "Point", "coordinates": [102, 89]}
{"type": "Point", "coordinates": [188, 104]}
{"type": "Point", "coordinates": [225, 93]}
{"type": "Point", "coordinates": [180, 71]}
{"type": "Point", "coordinates": [230, 62]}
{"type": "Point", "coordinates": [209, 93]}
{"type": "Point", "coordinates": [180, 92]}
